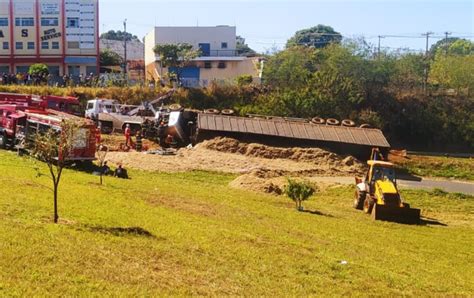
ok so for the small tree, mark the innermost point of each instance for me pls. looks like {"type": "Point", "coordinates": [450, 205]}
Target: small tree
{"type": "Point", "coordinates": [176, 55]}
{"type": "Point", "coordinates": [102, 151]}
{"type": "Point", "coordinates": [110, 58]}
{"type": "Point", "coordinates": [39, 69]}
{"type": "Point", "coordinates": [298, 192]}
{"type": "Point", "coordinates": [53, 147]}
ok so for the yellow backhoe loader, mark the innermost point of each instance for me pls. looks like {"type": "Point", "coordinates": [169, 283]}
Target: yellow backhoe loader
{"type": "Point", "coordinates": [378, 194]}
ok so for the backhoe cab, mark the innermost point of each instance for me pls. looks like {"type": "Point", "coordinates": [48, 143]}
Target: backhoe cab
{"type": "Point", "coordinates": [378, 195]}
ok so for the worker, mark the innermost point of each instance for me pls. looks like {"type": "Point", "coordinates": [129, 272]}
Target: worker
{"type": "Point", "coordinates": [121, 172]}
{"type": "Point", "coordinates": [128, 134]}
{"type": "Point", "coordinates": [98, 136]}
{"type": "Point", "coordinates": [169, 141]}
{"type": "Point", "coordinates": [105, 169]}
{"type": "Point", "coordinates": [138, 145]}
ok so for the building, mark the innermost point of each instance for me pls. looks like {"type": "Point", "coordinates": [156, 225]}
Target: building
{"type": "Point", "coordinates": [219, 60]}
{"type": "Point", "coordinates": [63, 34]}
{"type": "Point", "coordinates": [135, 56]}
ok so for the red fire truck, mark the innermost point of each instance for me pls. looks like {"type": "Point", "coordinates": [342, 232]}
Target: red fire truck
{"type": "Point", "coordinates": [65, 104]}
{"type": "Point", "coordinates": [19, 125]}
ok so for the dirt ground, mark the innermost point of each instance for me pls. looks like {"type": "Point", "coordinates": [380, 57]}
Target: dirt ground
{"type": "Point", "coordinates": [263, 168]}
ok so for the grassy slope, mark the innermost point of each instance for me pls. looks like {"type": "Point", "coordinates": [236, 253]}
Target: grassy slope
{"type": "Point", "coordinates": [444, 167]}
{"type": "Point", "coordinates": [210, 239]}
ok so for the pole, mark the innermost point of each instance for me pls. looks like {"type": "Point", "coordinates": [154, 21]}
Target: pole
{"type": "Point", "coordinates": [380, 36]}
{"type": "Point", "coordinates": [125, 47]}
{"type": "Point", "coordinates": [425, 79]}
{"type": "Point", "coordinates": [446, 43]}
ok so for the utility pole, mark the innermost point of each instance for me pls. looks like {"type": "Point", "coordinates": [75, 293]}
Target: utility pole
{"type": "Point", "coordinates": [446, 43]}
{"type": "Point", "coordinates": [380, 36]}
{"type": "Point", "coordinates": [425, 79]}
{"type": "Point", "coordinates": [125, 48]}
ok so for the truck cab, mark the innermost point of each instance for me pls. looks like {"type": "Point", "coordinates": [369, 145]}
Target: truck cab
{"type": "Point", "coordinates": [96, 106]}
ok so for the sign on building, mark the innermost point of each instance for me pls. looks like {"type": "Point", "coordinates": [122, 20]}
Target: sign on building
{"type": "Point", "coordinates": [49, 8]}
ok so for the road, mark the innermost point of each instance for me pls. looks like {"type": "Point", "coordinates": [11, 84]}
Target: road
{"type": "Point", "coordinates": [446, 185]}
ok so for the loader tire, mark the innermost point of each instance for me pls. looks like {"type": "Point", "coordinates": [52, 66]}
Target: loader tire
{"type": "Point", "coordinates": [212, 111]}
{"type": "Point", "coordinates": [227, 112]}
{"type": "Point", "coordinates": [365, 125]}
{"type": "Point", "coordinates": [368, 205]}
{"type": "Point", "coordinates": [3, 141]}
{"type": "Point", "coordinates": [318, 120]}
{"type": "Point", "coordinates": [348, 123]}
{"type": "Point", "coordinates": [175, 107]}
{"type": "Point", "coordinates": [359, 199]}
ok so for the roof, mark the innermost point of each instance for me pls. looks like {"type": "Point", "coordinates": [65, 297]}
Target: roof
{"type": "Point", "coordinates": [292, 129]}
{"type": "Point", "coordinates": [379, 163]}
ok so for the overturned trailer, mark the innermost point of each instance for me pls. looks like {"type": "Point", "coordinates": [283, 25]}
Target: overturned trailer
{"type": "Point", "coordinates": [192, 127]}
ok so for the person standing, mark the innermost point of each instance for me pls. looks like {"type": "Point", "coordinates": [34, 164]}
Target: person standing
{"type": "Point", "coordinates": [139, 143]}
{"type": "Point", "coordinates": [128, 134]}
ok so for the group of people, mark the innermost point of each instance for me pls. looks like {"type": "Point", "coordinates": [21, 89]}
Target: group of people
{"type": "Point", "coordinates": [23, 79]}
{"type": "Point", "coordinates": [89, 80]}
{"type": "Point", "coordinates": [120, 171]}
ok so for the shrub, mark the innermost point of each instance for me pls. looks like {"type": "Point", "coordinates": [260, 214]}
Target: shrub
{"type": "Point", "coordinates": [298, 192]}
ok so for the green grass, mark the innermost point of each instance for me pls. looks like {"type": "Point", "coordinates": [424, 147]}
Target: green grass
{"type": "Point", "coordinates": [189, 233]}
{"type": "Point", "coordinates": [443, 167]}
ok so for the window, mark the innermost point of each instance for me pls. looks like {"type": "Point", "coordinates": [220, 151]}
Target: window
{"type": "Point", "coordinates": [55, 45]}
{"type": "Point", "coordinates": [30, 45]}
{"type": "Point", "coordinates": [5, 45]}
{"type": "Point", "coordinates": [19, 45]}
{"type": "Point", "coordinates": [221, 65]}
{"type": "Point", "coordinates": [24, 22]}
{"type": "Point", "coordinates": [224, 45]}
{"type": "Point", "coordinates": [44, 45]}
{"type": "Point", "coordinates": [72, 22]}
{"type": "Point", "coordinates": [207, 64]}
{"type": "Point", "coordinates": [3, 22]}
{"type": "Point", "coordinates": [73, 45]}
{"type": "Point", "coordinates": [49, 22]}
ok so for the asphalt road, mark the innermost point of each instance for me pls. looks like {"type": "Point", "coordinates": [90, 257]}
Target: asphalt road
{"type": "Point", "coordinates": [428, 184]}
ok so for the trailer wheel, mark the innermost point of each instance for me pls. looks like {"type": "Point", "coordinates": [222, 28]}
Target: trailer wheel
{"type": "Point", "coordinates": [348, 123]}
{"type": "Point", "coordinates": [228, 112]}
{"type": "Point", "coordinates": [359, 199]}
{"type": "Point", "coordinates": [211, 111]}
{"type": "Point", "coordinates": [3, 141]}
{"type": "Point", "coordinates": [318, 120]}
{"type": "Point", "coordinates": [368, 205]}
{"type": "Point", "coordinates": [332, 121]}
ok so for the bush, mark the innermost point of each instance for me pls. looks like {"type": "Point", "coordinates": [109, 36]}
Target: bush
{"type": "Point", "coordinates": [298, 192]}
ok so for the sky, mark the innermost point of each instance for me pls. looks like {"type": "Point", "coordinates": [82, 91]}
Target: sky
{"type": "Point", "coordinates": [266, 25]}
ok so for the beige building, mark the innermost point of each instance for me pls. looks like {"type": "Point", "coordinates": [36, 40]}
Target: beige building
{"type": "Point", "coordinates": [219, 60]}
{"type": "Point", "coordinates": [59, 33]}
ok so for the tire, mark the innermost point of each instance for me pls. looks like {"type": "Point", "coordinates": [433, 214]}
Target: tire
{"type": "Point", "coordinates": [3, 141]}
{"type": "Point", "coordinates": [227, 112]}
{"type": "Point", "coordinates": [175, 107]}
{"type": "Point", "coordinates": [365, 125]}
{"type": "Point", "coordinates": [359, 198]}
{"type": "Point", "coordinates": [211, 111]}
{"type": "Point", "coordinates": [332, 121]}
{"type": "Point", "coordinates": [318, 120]}
{"type": "Point", "coordinates": [348, 123]}
{"type": "Point", "coordinates": [368, 205]}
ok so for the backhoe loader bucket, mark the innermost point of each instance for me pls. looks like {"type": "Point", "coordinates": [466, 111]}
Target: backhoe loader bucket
{"type": "Point", "coordinates": [396, 214]}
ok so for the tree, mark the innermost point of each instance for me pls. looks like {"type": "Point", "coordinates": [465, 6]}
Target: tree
{"type": "Point", "coordinates": [243, 49]}
{"type": "Point", "coordinates": [53, 147]}
{"type": "Point", "coordinates": [298, 192]}
{"type": "Point", "coordinates": [102, 151]}
{"type": "Point", "coordinates": [176, 56]}
{"type": "Point", "coordinates": [461, 47]}
{"type": "Point", "coordinates": [442, 45]}
{"type": "Point", "coordinates": [318, 37]}
{"type": "Point", "coordinates": [38, 70]}
{"type": "Point", "coordinates": [119, 35]}
{"type": "Point", "coordinates": [453, 71]}
{"type": "Point", "coordinates": [110, 58]}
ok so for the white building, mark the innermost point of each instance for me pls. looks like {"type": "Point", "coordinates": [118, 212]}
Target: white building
{"type": "Point", "coordinates": [219, 60]}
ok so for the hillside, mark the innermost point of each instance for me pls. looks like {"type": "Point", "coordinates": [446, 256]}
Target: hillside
{"type": "Point", "coordinates": [190, 233]}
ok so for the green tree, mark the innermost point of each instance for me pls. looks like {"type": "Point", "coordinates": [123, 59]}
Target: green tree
{"type": "Point", "coordinates": [318, 37]}
{"type": "Point", "coordinates": [39, 69]}
{"type": "Point", "coordinates": [243, 49]}
{"type": "Point", "coordinates": [298, 192]}
{"type": "Point", "coordinates": [442, 45]}
{"type": "Point", "coordinates": [461, 47]}
{"type": "Point", "coordinates": [408, 72]}
{"type": "Point", "coordinates": [453, 71]}
{"type": "Point", "coordinates": [119, 35]}
{"type": "Point", "coordinates": [291, 68]}
{"type": "Point", "coordinates": [110, 58]}
{"type": "Point", "coordinates": [176, 56]}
